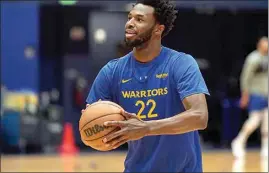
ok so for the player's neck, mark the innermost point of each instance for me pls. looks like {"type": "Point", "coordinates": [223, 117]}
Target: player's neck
{"type": "Point", "coordinates": [147, 53]}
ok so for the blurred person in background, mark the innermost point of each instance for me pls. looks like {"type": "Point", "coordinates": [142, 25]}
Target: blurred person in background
{"type": "Point", "coordinates": [254, 87]}
{"type": "Point", "coordinates": [164, 87]}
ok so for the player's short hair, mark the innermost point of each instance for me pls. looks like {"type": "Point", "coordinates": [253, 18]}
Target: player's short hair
{"type": "Point", "coordinates": [165, 12]}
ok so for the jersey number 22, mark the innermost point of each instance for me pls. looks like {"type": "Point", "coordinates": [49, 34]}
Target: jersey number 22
{"type": "Point", "coordinates": [143, 105]}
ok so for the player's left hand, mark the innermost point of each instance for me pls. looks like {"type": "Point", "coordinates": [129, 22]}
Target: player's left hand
{"type": "Point", "coordinates": [131, 129]}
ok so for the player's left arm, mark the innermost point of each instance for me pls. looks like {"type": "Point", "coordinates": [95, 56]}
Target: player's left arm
{"type": "Point", "coordinates": [191, 89]}
{"type": "Point", "coordinates": [194, 118]}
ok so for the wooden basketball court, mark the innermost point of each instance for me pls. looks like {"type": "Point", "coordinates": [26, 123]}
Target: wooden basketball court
{"type": "Point", "coordinates": [215, 161]}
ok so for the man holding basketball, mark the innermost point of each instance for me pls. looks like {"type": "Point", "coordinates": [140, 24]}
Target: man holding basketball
{"type": "Point", "coordinates": [162, 88]}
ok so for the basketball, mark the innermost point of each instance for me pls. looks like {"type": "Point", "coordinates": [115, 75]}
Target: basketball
{"type": "Point", "coordinates": [91, 124]}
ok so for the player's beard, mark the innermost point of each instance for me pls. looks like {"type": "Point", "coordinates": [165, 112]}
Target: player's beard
{"type": "Point", "coordinates": [141, 40]}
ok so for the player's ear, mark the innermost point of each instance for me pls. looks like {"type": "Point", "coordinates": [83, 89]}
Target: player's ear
{"type": "Point", "coordinates": [159, 29]}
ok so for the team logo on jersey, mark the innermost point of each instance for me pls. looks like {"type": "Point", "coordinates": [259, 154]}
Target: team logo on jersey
{"type": "Point", "coordinates": [162, 75]}
{"type": "Point", "coordinates": [125, 81]}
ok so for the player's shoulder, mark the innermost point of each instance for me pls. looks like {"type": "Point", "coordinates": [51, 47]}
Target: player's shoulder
{"type": "Point", "coordinates": [180, 57]}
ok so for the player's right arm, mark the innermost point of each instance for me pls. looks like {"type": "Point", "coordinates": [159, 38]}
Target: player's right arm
{"type": "Point", "coordinates": [245, 79]}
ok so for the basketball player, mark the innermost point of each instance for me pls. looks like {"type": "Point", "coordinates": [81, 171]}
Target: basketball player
{"type": "Point", "coordinates": [162, 88]}
{"type": "Point", "coordinates": [254, 86]}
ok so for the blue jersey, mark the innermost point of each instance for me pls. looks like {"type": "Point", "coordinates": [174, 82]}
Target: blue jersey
{"type": "Point", "coordinates": [153, 91]}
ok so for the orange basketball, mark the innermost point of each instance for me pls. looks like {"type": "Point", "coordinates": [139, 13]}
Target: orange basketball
{"type": "Point", "coordinates": [91, 123]}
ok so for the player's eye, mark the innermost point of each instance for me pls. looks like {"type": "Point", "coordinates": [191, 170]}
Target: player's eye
{"type": "Point", "coordinates": [139, 20]}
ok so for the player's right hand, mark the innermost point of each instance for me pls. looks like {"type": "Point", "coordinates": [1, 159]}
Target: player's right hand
{"type": "Point", "coordinates": [84, 109]}
{"type": "Point", "coordinates": [87, 106]}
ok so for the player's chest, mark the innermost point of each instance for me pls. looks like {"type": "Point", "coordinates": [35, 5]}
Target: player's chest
{"type": "Point", "coordinates": [140, 85]}
{"type": "Point", "coordinates": [145, 94]}
{"type": "Point", "coordinates": [144, 90]}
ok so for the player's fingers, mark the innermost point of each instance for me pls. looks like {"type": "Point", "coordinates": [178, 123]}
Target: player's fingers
{"type": "Point", "coordinates": [83, 110]}
{"type": "Point", "coordinates": [111, 142]}
{"type": "Point", "coordinates": [122, 140]}
{"type": "Point", "coordinates": [109, 138]}
{"type": "Point", "coordinates": [127, 115]}
{"type": "Point", "coordinates": [114, 123]}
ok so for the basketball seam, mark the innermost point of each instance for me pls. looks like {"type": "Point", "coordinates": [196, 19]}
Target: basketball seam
{"type": "Point", "coordinates": [98, 118]}
{"type": "Point", "coordinates": [101, 136]}
{"type": "Point", "coordinates": [113, 104]}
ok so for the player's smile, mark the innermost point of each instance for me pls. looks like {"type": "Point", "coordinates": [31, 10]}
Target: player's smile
{"type": "Point", "coordinates": [130, 33]}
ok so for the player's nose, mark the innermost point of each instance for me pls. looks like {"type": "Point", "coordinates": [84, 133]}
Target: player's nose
{"type": "Point", "coordinates": [129, 24]}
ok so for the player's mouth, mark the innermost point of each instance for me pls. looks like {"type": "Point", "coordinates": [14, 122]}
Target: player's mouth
{"type": "Point", "coordinates": [130, 33]}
